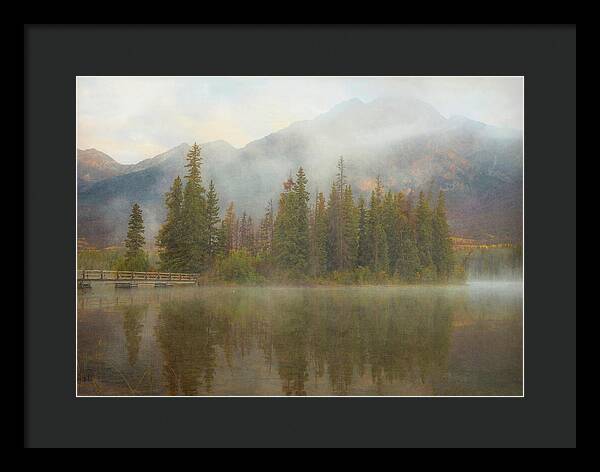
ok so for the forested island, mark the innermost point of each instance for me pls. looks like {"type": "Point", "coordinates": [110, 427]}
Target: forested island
{"type": "Point", "coordinates": [391, 238]}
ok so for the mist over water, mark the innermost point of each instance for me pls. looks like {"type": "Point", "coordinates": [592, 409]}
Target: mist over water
{"type": "Point", "coordinates": [413, 340]}
{"type": "Point", "coordinates": [493, 264]}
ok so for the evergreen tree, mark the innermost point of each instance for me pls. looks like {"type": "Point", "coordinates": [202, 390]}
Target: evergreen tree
{"type": "Point", "coordinates": [424, 232]}
{"type": "Point", "coordinates": [342, 222]}
{"type": "Point", "coordinates": [250, 236]}
{"type": "Point", "coordinates": [334, 247]}
{"type": "Point", "coordinates": [228, 230]}
{"type": "Point", "coordinates": [391, 214]}
{"type": "Point", "coordinates": [169, 239]}
{"type": "Point", "coordinates": [135, 256]}
{"type": "Point", "coordinates": [350, 233]}
{"type": "Point", "coordinates": [194, 214]}
{"type": "Point", "coordinates": [312, 238]}
{"type": "Point", "coordinates": [265, 232]}
{"type": "Point", "coordinates": [442, 254]}
{"type": "Point", "coordinates": [212, 223]}
{"type": "Point", "coordinates": [362, 256]}
{"type": "Point", "coordinates": [243, 232]}
{"type": "Point", "coordinates": [339, 235]}
{"type": "Point", "coordinates": [291, 242]}
{"type": "Point", "coordinates": [282, 242]}
{"type": "Point", "coordinates": [246, 234]}
{"type": "Point", "coordinates": [300, 210]}
{"type": "Point", "coordinates": [408, 263]}
{"type": "Point", "coordinates": [377, 248]}
{"type": "Point", "coordinates": [320, 234]}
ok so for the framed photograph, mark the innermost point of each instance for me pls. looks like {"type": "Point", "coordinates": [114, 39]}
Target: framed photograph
{"type": "Point", "coordinates": [277, 251]}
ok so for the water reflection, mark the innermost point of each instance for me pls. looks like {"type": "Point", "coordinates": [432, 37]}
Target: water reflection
{"type": "Point", "coordinates": [132, 327]}
{"type": "Point", "coordinates": [332, 335]}
{"type": "Point", "coordinates": [187, 335]}
{"type": "Point", "coordinates": [225, 341]}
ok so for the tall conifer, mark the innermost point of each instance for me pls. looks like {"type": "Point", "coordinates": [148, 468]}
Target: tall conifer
{"type": "Point", "coordinates": [135, 256]}
{"type": "Point", "coordinates": [170, 236]}
{"type": "Point", "coordinates": [362, 256]}
{"type": "Point", "coordinates": [424, 231]}
{"type": "Point", "coordinates": [377, 248]}
{"type": "Point", "coordinates": [442, 245]}
{"type": "Point", "coordinates": [194, 214]}
{"type": "Point", "coordinates": [212, 222]}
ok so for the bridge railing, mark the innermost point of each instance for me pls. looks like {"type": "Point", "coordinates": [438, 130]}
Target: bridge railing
{"type": "Point", "coordinates": [110, 275]}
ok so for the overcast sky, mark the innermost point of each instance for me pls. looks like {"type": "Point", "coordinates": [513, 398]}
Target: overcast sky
{"type": "Point", "coordinates": [133, 118]}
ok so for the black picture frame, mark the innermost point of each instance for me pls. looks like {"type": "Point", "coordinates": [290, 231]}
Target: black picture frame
{"type": "Point", "coordinates": [54, 55]}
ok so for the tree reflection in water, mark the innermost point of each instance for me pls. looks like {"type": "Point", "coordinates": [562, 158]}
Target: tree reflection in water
{"type": "Point", "coordinates": [340, 336]}
{"type": "Point", "coordinates": [132, 327]}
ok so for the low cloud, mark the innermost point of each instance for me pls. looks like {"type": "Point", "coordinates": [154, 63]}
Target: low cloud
{"type": "Point", "coordinates": [132, 118]}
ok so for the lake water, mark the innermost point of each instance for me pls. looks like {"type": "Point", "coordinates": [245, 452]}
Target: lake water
{"type": "Point", "coordinates": [414, 340]}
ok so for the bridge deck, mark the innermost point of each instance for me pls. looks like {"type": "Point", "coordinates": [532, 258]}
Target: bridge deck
{"type": "Point", "coordinates": [98, 275]}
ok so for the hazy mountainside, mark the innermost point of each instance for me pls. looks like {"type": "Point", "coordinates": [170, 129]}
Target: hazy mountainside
{"type": "Point", "coordinates": [94, 165]}
{"type": "Point", "coordinates": [407, 142]}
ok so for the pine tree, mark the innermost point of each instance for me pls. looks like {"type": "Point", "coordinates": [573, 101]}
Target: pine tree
{"type": "Point", "coordinates": [362, 256]}
{"type": "Point", "coordinates": [320, 234]}
{"type": "Point", "coordinates": [424, 233]}
{"type": "Point", "coordinates": [408, 263]}
{"type": "Point", "coordinates": [350, 233]}
{"type": "Point", "coordinates": [169, 239]}
{"type": "Point", "coordinates": [342, 222]}
{"type": "Point", "coordinates": [194, 214]}
{"type": "Point", "coordinates": [228, 230]}
{"type": "Point", "coordinates": [212, 222]}
{"type": "Point", "coordinates": [265, 232]}
{"type": "Point", "coordinates": [334, 248]}
{"type": "Point", "coordinates": [243, 231]}
{"type": "Point", "coordinates": [442, 254]}
{"type": "Point", "coordinates": [340, 185]}
{"type": "Point", "coordinates": [282, 242]}
{"type": "Point", "coordinates": [312, 230]}
{"type": "Point", "coordinates": [135, 256]}
{"type": "Point", "coordinates": [391, 214]}
{"type": "Point", "coordinates": [377, 248]}
{"type": "Point", "coordinates": [250, 236]}
{"type": "Point", "coordinates": [291, 241]}
{"type": "Point", "coordinates": [424, 230]}
{"type": "Point", "coordinates": [300, 215]}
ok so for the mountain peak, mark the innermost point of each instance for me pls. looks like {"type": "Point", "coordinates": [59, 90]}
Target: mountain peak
{"type": "Point", "coordinates": [347, 104]}
{"type": "Point", "coordinates": [221, 143]}
{"type": "Point", "coordinates": [463, 120]}
{"type": "Point", "coordinates": [92, 152]}
{"type": "Point", "coordinates": [93, 165]}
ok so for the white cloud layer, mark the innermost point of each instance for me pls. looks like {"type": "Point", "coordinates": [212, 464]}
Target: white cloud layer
{"type": "Point", "coordinates": [133, 118]}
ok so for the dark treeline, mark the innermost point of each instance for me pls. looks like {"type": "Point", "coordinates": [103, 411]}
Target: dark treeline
{"type": "Point", "coordinates": [335, 237]}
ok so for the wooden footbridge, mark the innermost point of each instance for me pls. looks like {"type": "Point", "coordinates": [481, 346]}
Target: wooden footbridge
{"type": "Point", "coordinates": [130, 279]}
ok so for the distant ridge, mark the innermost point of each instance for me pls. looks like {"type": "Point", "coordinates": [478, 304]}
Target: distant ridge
{"type": "Point", "coordinates": [406, 141]}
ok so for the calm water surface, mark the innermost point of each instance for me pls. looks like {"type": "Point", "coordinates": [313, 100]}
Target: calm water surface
{"type": "Point", "coordinates": [451, 340]}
